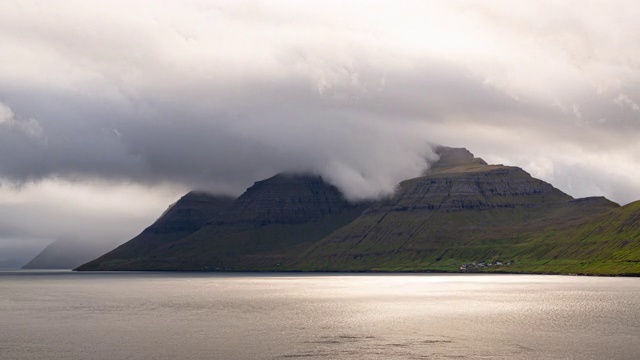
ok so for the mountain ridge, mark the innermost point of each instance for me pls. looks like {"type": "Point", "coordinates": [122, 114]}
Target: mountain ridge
{"type": "Point", "coordinates": [281, 211]}
{"type": "Point", "coordinates": [462, 211]}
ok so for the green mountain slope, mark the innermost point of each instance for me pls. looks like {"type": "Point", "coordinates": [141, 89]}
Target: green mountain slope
{"type": "Point", "coordinates": [464, 211]}
{"type": "Point", "coordinates": [609, 244]}
{"type": "Point", "coordinates": [273, 214]}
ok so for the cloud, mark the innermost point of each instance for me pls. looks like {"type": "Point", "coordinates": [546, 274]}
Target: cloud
{"type": "Point", "coordinates": [35, 214]}
{"type": "Point", "coordinates": [26, 128]}
{"type": "Point", "coordinates": [126, 96]}
{"type": "Point", "coordinates": [6, 115]}
{"type": "Point", "coordinates": [216, 95]}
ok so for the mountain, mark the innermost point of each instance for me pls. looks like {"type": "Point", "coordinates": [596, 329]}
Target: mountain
{"type": "Point", "coordinates": [12, 262]}
{"type": "Point", "coordinates": [181, 219]}
{"type": "Point", "coordinates": [68, 253]}
{"type": "Point", "coordinates": [608, 244]}
{"type": "Point", "coordinates": [273, 214]}
{"type": "Point", "coordinates": [461, 215]}
{"type": "Point", "coordinates": [466, 212]}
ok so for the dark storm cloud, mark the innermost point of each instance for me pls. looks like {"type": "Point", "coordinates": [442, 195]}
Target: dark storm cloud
{"type": "Point", "coordinates": [215, 96]}
{"type": "Point", "coordinates": [372, 137]}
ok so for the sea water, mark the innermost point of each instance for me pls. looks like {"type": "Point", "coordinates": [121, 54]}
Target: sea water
{"type": "Point", "coordinates": [69, 315]}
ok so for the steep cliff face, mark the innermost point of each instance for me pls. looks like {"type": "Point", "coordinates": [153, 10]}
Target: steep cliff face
{"type": "Point", "coordinates": [462, 210]}
{"type": "Point", "coordinates": [273, 214]}
{"type": "Point", "coordinates": [181, 219]}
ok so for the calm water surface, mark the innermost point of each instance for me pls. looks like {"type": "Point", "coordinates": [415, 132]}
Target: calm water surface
{"type": "Point", "coordinates": [65, 315]}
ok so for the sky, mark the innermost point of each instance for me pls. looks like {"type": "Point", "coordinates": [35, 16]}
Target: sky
{"type": "Point", "coordinates": [110, 111]}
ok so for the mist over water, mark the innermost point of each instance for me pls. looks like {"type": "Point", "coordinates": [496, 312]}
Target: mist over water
{"type": "Point", "coordinates": [64, 315]}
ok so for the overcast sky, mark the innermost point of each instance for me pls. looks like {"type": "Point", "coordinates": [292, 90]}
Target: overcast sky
{"type": "Point", "coordinates": [110, 110]}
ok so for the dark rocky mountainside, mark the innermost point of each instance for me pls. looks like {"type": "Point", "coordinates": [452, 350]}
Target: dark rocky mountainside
{"type": "Point", "coordinates": [184, 217]}
{"type": "Point", "coordinates": [275, 213]}
{"type": "Point", "coordinates": [190, 212]}
{"type": "Point", "coordinates": [286, 199]}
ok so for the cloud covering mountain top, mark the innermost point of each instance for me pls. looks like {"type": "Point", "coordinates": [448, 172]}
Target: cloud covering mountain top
{"type": "Point", "coordinates": [215, 95]}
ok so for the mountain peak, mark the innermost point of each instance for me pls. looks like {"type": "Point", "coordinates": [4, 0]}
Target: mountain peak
{"type": "Point", "coordinates": [287, 198]}
{"type": "Point", "coordinates": [460, 154]}
{"type": "Point", "coordinates": [460, 159]}
{"type": "Point", "coordinates": [291, 178]}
